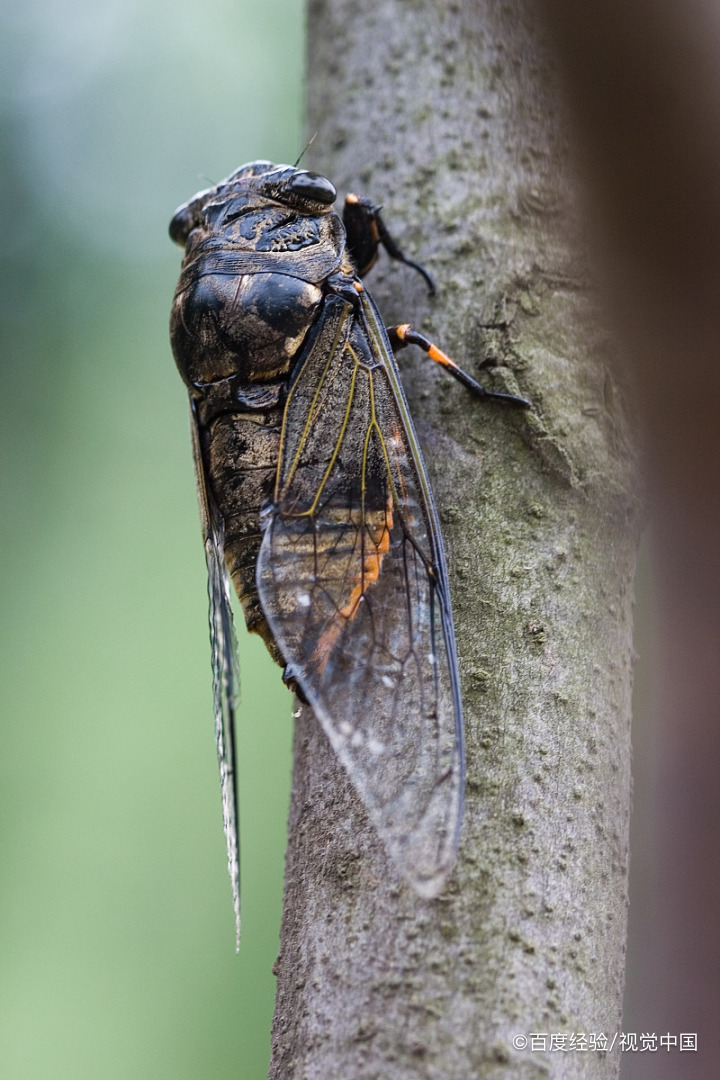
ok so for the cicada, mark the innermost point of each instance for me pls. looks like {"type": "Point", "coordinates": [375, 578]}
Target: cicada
{"type": "Point", "coordinates": [315, 500]}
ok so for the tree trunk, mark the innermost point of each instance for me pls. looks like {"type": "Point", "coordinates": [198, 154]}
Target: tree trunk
{"type": "Point", "coordinates": [449, 115]}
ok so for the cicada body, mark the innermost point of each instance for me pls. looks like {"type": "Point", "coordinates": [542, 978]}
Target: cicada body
{"type": "Point", "coordinates": [315, 499]}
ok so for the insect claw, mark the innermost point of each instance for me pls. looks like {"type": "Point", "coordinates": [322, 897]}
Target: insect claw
{"type": "Point", "coordinates": [510, 399]}
{"type": "Point", "coordinates": [290, 678]}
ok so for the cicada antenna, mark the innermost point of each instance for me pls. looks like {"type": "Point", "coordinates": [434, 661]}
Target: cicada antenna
{"type": "Point", "coordinates": [305, 148]}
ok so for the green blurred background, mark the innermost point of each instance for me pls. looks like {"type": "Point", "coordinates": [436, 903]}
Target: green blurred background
{"type": "Point", "coordinates": [116, 928]}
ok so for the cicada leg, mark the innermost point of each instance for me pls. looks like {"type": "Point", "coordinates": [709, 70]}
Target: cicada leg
{"type": "Point", "coordinates": [403, 335]}
{"type": "Point", "coordinates": [366, 231]}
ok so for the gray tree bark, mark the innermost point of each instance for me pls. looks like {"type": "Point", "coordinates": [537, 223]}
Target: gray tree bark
{"type": "Point", "coordinates": [450, 116]}
{"type": "Point", "coordinates": [643, 81]}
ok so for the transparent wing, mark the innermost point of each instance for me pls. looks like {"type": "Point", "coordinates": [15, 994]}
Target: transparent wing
{"type": "Point", "coordinates": [226, 673]}
{"type": "Point", "coordinates": [353, 583]}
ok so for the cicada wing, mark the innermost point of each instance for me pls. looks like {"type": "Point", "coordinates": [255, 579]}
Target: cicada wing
{"type": "Point", "coordinates": [225, 668]}
{"type": "Point", "coordinates": [352, 580]}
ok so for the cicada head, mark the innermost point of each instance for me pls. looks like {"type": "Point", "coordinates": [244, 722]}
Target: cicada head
{"type": "Point", "coordinates": [258, 186]}
{"type": "Point", "coordinates": [286, 184]}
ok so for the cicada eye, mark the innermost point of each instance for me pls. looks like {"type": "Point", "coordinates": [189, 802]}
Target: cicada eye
{"type": "Point", "coordinates": [182, 224]}
{"type": "Point", "coordinates": [312, 186]}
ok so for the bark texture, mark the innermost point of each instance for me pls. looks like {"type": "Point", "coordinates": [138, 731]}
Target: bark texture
{"type": "Point", "coordinates": [449, 115]}
{"type": "Point", "coordinates": [644, 79]}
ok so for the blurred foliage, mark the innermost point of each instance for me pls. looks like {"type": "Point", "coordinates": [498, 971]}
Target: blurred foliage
{"type": "Point", "coordinates": [116, 927]}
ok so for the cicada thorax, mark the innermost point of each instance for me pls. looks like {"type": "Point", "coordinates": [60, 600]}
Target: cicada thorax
{"type": "Point", "coordinates": [250, 290]}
